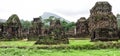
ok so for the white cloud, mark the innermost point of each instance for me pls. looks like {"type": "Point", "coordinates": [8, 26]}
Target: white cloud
{"type": "Point", "coordinates": [69, 9]}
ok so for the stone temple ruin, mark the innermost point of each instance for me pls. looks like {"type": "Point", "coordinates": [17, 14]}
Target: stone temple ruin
{"type": "Point", "coordinates": [82, 27]}
{"type": "Point", "coordinates": [37, 24]}
{"type": "Point", "coordinates": [11, 28]}
{"type": "Point", "coordinates": [36, 29]}
{"type": "Point", "coordinates": [55, 36]}
{"type": "Point", "coordinates": [102, 24]}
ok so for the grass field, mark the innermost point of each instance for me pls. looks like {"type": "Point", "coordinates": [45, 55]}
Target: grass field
{"type": "Point", "coordinates": [74, 48]}
{"type": "Point", "coordinates": [31, 43]}
{"type": "Point", "coordinates": [55, 52]}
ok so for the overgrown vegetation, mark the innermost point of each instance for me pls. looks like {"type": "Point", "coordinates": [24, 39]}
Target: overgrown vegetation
{"type": "Point", "coordinates": [26, 24]}
{"type": "Point", "coordinates": [75, 48]}
{"type": "Point", "coordinates": [74, 44]}
{"type": "Point", "coordinates": [66, 25]}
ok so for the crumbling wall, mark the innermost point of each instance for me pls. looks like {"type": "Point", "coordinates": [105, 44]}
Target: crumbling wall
{"type": "Point", "coordinates": [82, 27]}
{"type": "Point", "coordinates": [101, 16]}
{"type": "Point", "coordinates": [56, 34]}
{"type": "Point", "coordinates": [12, 28]}
{"type": "Point", "coordinates": [36, 29]}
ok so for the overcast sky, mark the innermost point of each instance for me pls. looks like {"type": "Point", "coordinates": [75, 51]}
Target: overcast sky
{"type": "Point", "coordinates": [71, 10]}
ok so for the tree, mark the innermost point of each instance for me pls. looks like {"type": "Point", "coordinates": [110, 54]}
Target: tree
{"type": "Point", "coordinates": [65, 24]}
{"type": "Point", "coordinates": [26, 24]}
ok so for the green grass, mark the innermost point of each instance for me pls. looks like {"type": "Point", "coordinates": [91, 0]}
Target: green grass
{"type": "Point", "coordinates": [74, 44]}
{"type": "Point", "coordinates": [56, 52]}
{"type": "Point", "coordinates": [31, 43]}
{"type": "Point", "coordinates": [16, 43]}
{"type": "Point", "coordinates": [80, 42]}
{"type": "Point", "coordinates": [74, 48]}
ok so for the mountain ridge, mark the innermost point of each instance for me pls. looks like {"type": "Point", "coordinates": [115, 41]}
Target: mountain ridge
{"type": "Point", "coordinates": [46, 15]}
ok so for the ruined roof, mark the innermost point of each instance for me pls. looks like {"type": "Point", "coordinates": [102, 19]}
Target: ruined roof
{"type": "Point", "coordinates": [101, 16]}
{"type": "Point", "coordinates": [14, 19]}
{"type": "Point", "coordinates": [37, 19]}
{"type": "Point", "coordinates": [101, 6]}
{"type": "Point", "coordinates": [55, 24]}
{"type": "Point", "coordinates": [82, 19]}
{"type": "Point", "coordinates": [102, 10]}
{"type": "Point", "coordinates": [37, 22]}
